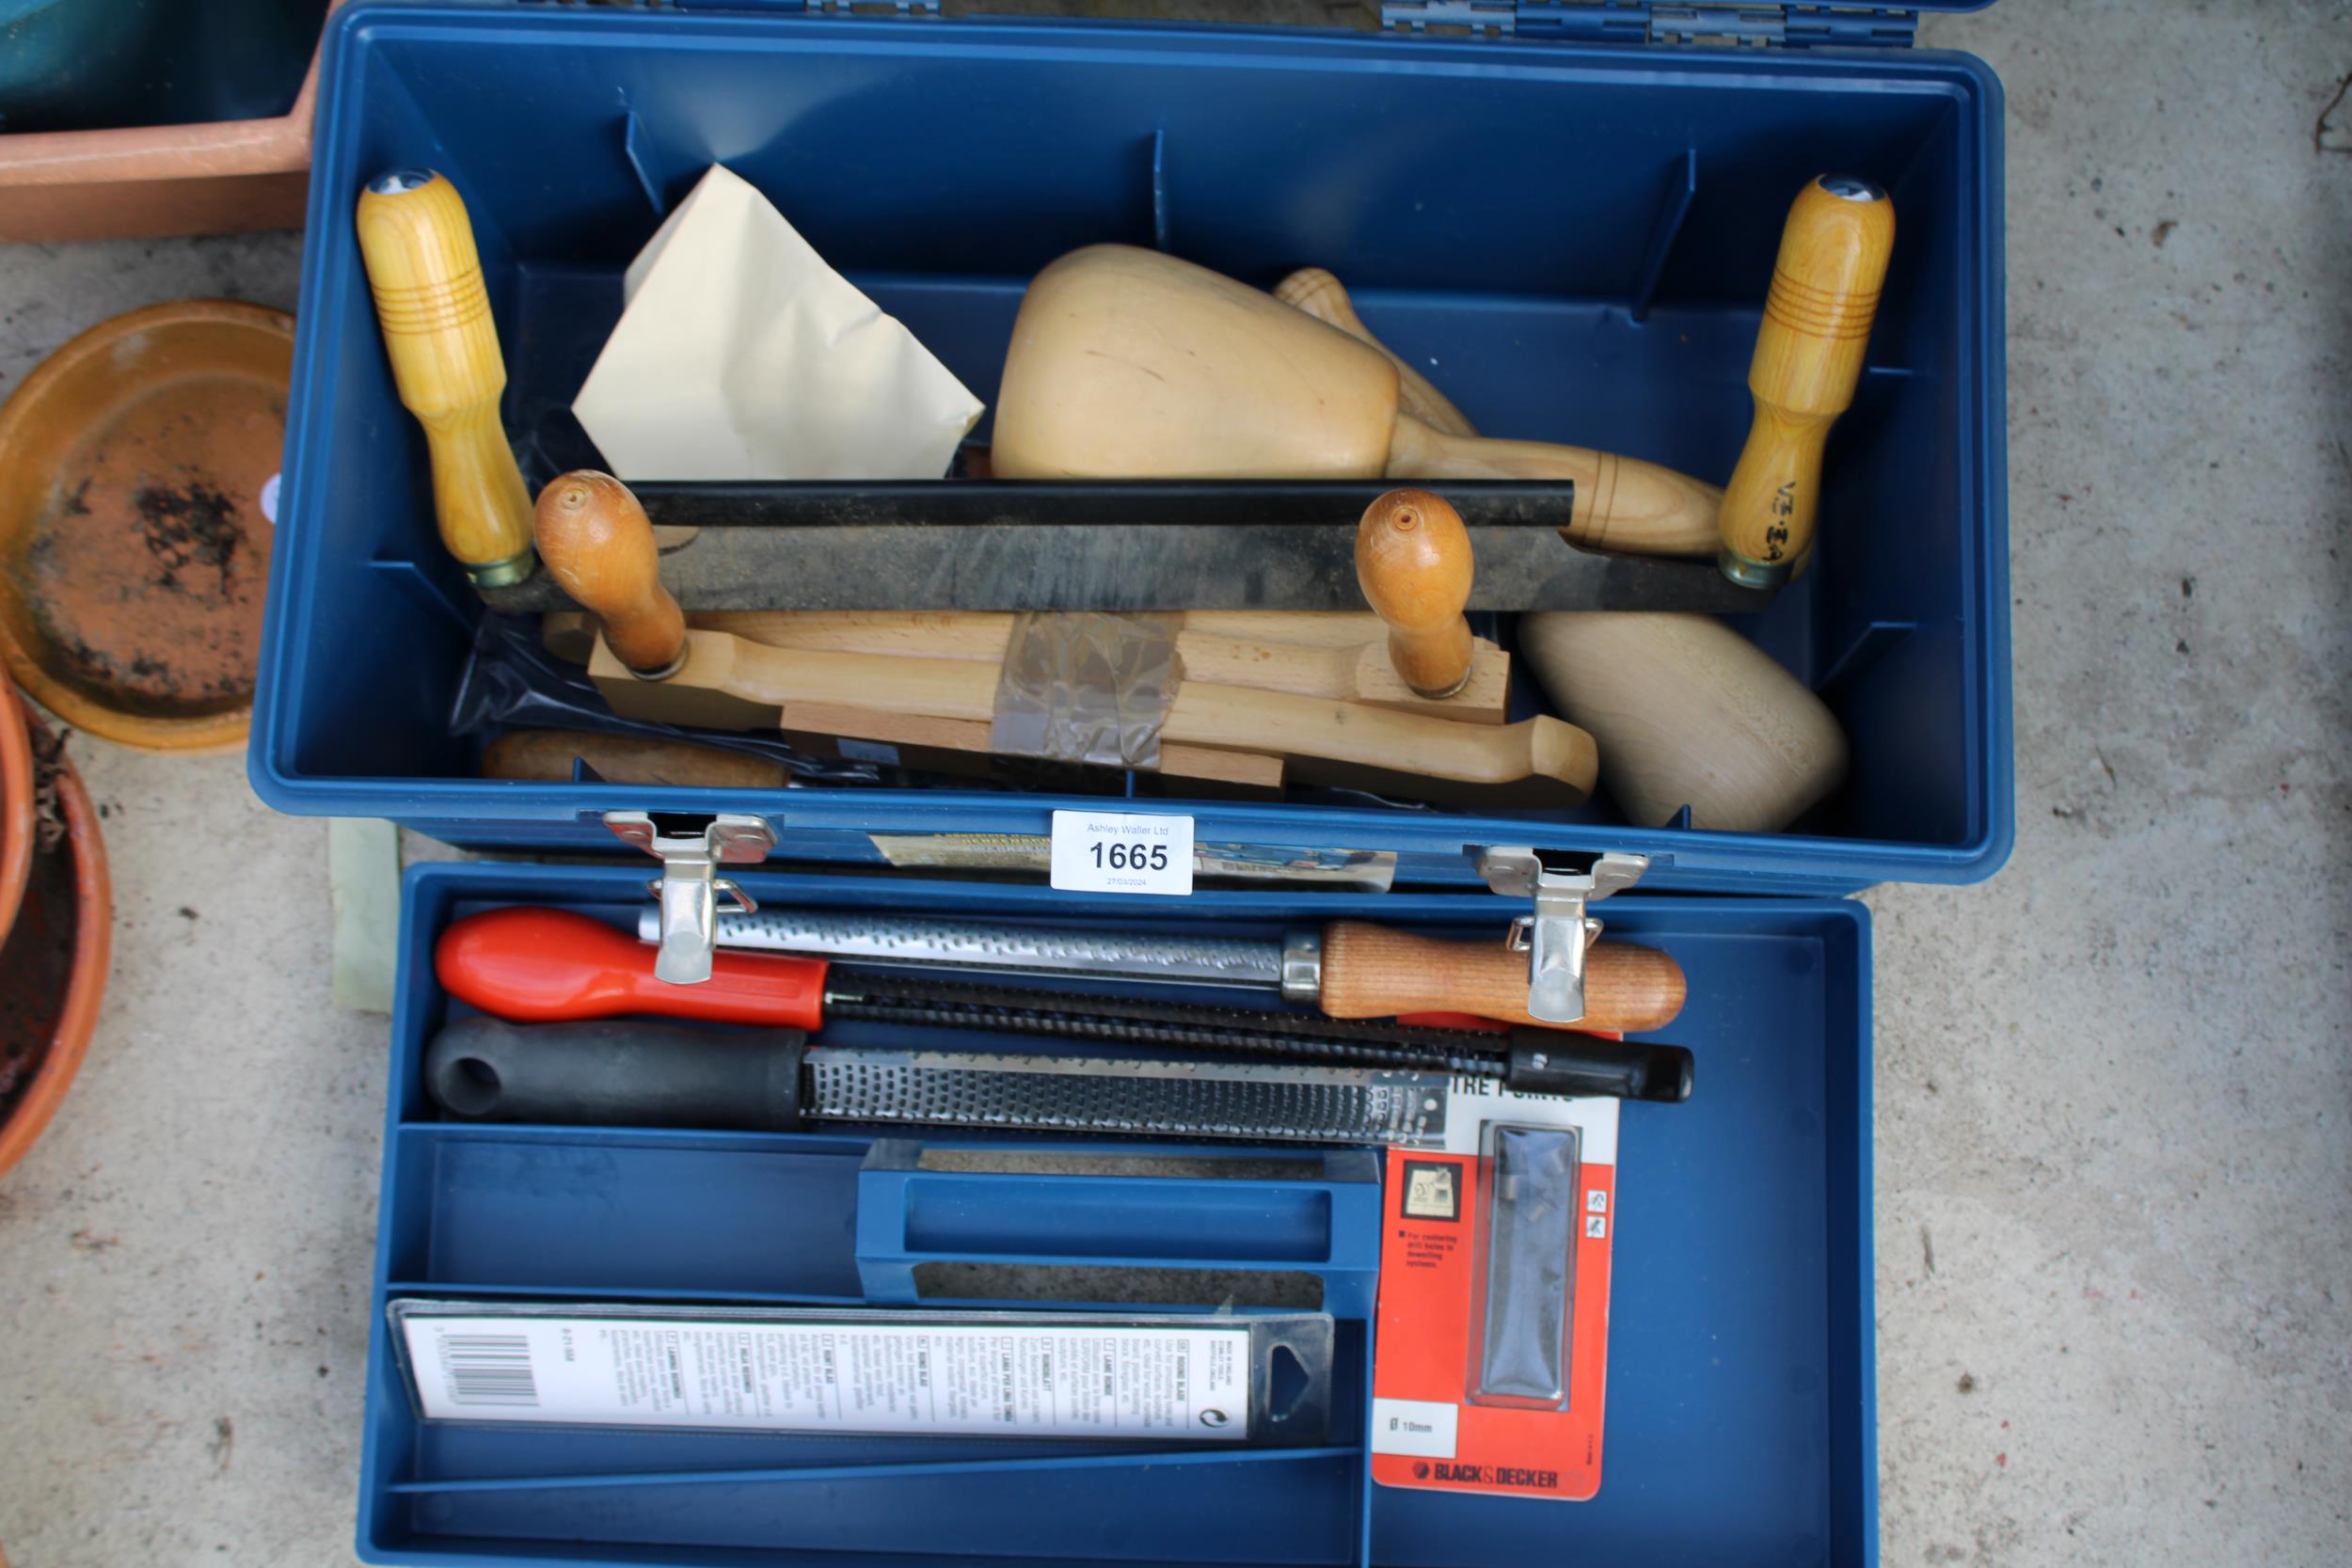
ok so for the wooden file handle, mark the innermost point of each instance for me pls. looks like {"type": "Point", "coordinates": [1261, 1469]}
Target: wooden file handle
{"type": "Point", "coordinates": [1321, 295]}
{"type": "Point", "coordinates": [1809, 357]}
{"type": "Point", "coordinates": [430, 301]}
{"type": "Point", "coordinates": [599, 544]}
{"type": "Point", "coordinates": [1374, 971]}
{"type": "Point", "coordinates": [1414, 565]}
{"type": "Point", "coordinates": [1622, 503]}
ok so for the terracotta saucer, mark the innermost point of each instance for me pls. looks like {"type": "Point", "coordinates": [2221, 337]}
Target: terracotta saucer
{"type": "Point", "coordinates": [133, 550]}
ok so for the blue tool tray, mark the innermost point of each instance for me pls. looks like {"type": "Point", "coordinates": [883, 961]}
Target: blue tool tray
{"type": "Point", "coordinates": [1577, 234]}
{"type": "Point", "coordinates": [1741, 1427]}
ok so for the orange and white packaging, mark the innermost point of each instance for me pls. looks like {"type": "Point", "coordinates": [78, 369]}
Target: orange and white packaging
{"type": "Point", "coordinates": [1490, 1354]}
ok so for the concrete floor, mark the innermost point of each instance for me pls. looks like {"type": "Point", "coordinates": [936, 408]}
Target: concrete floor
{"type": "Point", "coordinates": [2114, 1166]}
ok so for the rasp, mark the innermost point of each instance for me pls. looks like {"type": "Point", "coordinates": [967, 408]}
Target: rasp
{"type": "Point", "coordinates": [1123, 1096]}
{"type": "Point", "coordinates": [642, 1074]}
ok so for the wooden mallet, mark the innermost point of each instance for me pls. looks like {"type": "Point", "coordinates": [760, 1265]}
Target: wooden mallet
{"type": "Point", "coordinates": [1809, 359]}
{"type": "Point", "coordinates": [1129, 364]}
{"type": "Point", "coordinates": [1323, 296]}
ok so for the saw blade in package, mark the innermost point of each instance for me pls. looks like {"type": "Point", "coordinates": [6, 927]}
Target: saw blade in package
{"type": "Point", "coordinates": [1491, 1355]}
{"type": "Point", "coordinates": [1222, 1379]}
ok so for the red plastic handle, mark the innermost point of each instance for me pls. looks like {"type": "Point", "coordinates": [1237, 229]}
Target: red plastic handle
{"type": "Point", "coordinates": [551, 966]}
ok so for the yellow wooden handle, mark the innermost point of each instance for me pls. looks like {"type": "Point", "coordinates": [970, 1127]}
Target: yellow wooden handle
{"type": "Point", "coordinates": [1808, 357]}
{"type": "Point", "coordinates": [1374, 971]}
{"type": "Point", "coordinates": [434, 312]}
{"type": "Point", "coordinates": [1622, 503]}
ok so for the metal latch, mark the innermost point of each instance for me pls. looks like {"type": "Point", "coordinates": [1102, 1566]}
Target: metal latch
{"type": "Point", "coordinates": [1555, 936]}
{"type": "Point", "coordinates": [690, 850]}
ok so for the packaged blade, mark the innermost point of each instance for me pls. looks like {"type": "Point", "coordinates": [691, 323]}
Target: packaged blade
{"type": "Point", "coordinates": [1001, 949]}
{"type": "Point", "coordinates": [1128, 1098]}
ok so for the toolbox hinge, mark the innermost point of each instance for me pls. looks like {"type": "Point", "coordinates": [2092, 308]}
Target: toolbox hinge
{"type": "Point", "coordinates": [1555, 937]}
{"type": "Point", "coordinates": [690, 850]}
{"type": "Point", "coordinates": [1792, 27]}
{"type": "Point", "coordinates": [808, 8]}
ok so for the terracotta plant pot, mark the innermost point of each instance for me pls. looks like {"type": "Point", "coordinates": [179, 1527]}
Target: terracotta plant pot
{"type": "Point", "coordinates": [16, 808]}
{"type": "Point", "coordinates": [53, 964]}
{"type": "Point", "coordinates": [205, 178]}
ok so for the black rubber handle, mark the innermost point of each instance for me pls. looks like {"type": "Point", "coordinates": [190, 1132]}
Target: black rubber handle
{"type": "Point", "coordinates": [616, 1072]}
{"type": "Point", "coordinates": [1551, 1061]}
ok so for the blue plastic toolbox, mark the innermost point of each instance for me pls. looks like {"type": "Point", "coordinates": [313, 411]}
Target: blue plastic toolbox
{"type": "Point", "coordinates": [1574, 212]}
{"type": "Point", "coordinates": [1576, 223]}
{"type": "Point", "coordinates": [1741, 1426]}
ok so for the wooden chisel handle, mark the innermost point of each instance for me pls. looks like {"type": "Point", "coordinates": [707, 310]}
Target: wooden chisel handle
{"type": "Point", "coordinates": [1810, 349]}
{"type": "Point", "coordinates": [1374, 971]}
{"type": "Point", "coordinates": [433, 308]}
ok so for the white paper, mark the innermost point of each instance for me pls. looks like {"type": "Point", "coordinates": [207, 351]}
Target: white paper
{"type": "Point", "coordinates": [741, 354]}
{"type": "Point", "coordinates": [1103, 851]}
{"type": "Point", "coordinates": [1080, 1381]}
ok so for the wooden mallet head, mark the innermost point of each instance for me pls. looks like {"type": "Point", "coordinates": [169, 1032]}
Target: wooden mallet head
{"type": "Point", "coordinates": [597, 542]}
{"type": "Point", "coordinates": [1323, 296]}
{"type": "Point", "coordinates": [1413, 563]}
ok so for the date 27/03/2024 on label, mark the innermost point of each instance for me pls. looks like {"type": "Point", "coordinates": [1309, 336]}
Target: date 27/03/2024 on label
{"type": "Point", "coordinates": [1101, 852]}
